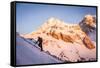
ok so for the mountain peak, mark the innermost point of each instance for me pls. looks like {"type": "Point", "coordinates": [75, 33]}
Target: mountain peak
{"type": "Point", "coordinates": [89, 16]}
{"type": "Point", "coordinates": [90, 20]}
{"type": "Point", "coordinates": [50, 23]}
{"type": "Point", "coordinates": [88, 25]}
{"type": "Point", "coordinates": [54, 21]}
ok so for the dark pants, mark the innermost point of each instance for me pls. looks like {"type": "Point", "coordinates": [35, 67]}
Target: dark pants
{"type": "Point", "coordinates": [40, 45]}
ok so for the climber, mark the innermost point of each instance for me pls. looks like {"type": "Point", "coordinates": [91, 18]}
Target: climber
{"type": "Point", "coordinates": [40, 43]}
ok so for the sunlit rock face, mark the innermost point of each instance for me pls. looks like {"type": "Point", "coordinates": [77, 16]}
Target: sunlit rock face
{"type": "Point", "coordinates": [68, 42]}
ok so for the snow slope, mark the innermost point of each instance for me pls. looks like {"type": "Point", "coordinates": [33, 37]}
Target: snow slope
{"type": "Point", "coordinates": [28, 54]}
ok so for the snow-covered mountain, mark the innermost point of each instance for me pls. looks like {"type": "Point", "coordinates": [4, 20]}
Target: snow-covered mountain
{"type": "Point", "coordinates": [68, 42]}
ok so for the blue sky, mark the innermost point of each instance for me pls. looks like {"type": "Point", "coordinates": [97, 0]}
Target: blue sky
{"type": "Point", "coordinates": [30, 16]}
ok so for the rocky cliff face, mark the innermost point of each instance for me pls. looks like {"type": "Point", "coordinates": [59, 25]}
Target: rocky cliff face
{"type": "Point", "coordinates": [68, 42]}
{"type": "Point", "coordinates": [67, 32]}
{"type": "Point", "coordinates": [88, 25]}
